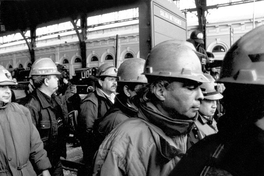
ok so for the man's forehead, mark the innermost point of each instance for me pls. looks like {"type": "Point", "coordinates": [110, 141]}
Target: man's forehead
{"type": "Point", "coordinates": [186, 81]}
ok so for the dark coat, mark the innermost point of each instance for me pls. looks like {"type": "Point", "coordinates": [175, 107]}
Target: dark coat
{"type": "Point", "coordinates": [48, 117]}
{"type": "Point", "coordinates": [239, 155]}
{"type": "Point", "coordinates": [93, 107]}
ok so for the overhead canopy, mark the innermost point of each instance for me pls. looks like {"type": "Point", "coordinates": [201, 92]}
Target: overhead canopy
{"type": "Point", "coordinates": [24, 14]}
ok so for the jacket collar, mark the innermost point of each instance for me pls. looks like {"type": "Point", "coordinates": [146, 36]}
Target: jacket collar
{"type": "Point", "coordinates": [43, 99]}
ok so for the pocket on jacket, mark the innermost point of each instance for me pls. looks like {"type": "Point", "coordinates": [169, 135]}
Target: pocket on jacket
{"type": "Point", "coordinates": [44, 130]}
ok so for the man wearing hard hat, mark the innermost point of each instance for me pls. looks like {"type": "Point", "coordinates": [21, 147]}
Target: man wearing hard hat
{"type": "Point", "coordinates": [238, 147]}
{"type": "Point", "coordinates": [153, 143]}
{"type": "Point", "coordinates": [93, 107]}
{"type": "Point", "coordinates": [47, 113]}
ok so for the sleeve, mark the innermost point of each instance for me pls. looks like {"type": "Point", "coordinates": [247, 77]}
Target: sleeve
{"type": "Point", "coordinates": [38, 155]}
{"type": "Point", "coordinates": [108, 166]}
{"type": "Point", "coordinates": [34, 113]}
{"type": "Point", "coordinates": [88, 115]}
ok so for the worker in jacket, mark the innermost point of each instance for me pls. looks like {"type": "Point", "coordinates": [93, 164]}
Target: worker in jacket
{"type": "Point", "coordinates": [47, 113]}
{"type": "Point", "coordinates": [153, 143]}
{"type": "Point", "coordinates": [205, 123]}
{"type": "Point", "coordinates": [130, 82]}
{"type": "Point", "coordinates": [21, 149]}
{"type": "Point", "coordinates": [238, 147]}
{"type": "Point", "coordinates": [93, 107]}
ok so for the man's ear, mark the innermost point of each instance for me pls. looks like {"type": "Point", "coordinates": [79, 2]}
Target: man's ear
{"type": "Point", "coordinates": [159, 91]}
{"type": "Point", "coordinates": [46, 81]}
{"type": "Point", "coordinates": [126, 91]}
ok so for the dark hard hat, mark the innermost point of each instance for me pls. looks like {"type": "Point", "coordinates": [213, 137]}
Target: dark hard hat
{"type": "Point", "coordinates": [244, 61]}
{"type": "Point", "coordinates": [197, 36]}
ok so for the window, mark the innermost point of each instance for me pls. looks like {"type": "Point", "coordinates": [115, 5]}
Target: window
{"type": "Point", "coordinates": [129, 55]}
{"type": "Point", "coordinates": [10, 66]}
{"type": "Point", "coordinates": [109, 57]}
{"type": "Point", "coordinates": [20, 66]}
{"type": "Point", "coordinates": [94, 59]}
{"type": "Point", "coordinates": [65, 61]}
{"type": "Point", "coordinates": [78, 60]}
{"type": "Point", "coordinates": [219, 48]}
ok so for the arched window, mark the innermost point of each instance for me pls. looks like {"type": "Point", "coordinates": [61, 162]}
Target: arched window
{"type": "Point", "coordinates": [94, 59]}
{"type": "Point", "coordinates": [109, 57]}
{"type": "Point", "coordinates": [20, 66]}
{"type": "Point", "coordinates": [10, 66]}
{"type": "Point", "coordinates": [78, 60]}
{"type": "Point", "coordinates": [129, 55]}
{"type": "Point", "coordinates": [65, 61]}
{"type": "Point", "coordinates": [218, 49]}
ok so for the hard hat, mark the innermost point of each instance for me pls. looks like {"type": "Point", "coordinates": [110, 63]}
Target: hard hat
{"type": "Point", "coordinates": [6, 77]}
{"type": "Point", "coordinates": [44, 66]}
{"type": "Point", "coordinates": [174, 59]}
{"type": "Point", "coordinates": [197, 36]}
{"type": "Point", "coordinates": [107, 69]}
{"type": "Point", "coordinates": [131, 71]}
{"type": "Point", "coordinates": [244, 61]}
{"type": "Point", "coordinates": [209, 89]}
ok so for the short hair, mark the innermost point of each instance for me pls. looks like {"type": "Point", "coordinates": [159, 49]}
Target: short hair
{"type": "Point", "coordinates": [38, 81]}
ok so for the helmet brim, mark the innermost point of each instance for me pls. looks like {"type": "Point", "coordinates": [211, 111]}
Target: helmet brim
{"type": "Point", "coordinates": [8, 83]}
{"type": "Point", "coordinates": [216, 96]}
{"type": "Point", "coordinates": [194, 77]}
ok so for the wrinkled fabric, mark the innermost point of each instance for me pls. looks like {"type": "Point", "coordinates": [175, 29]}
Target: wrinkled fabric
{"type": "Point", "coordinates": [49, 119]}
{"type": "Point", "coordinates": [242, 154]}
{"type": "Point", "coordinates": [116, 115]}
{"type": "Point", "coordinates": [139, 148]}
{"type": "Point", "coordinates": [93, 107]}
{"type": "Point", "coordinates": [20, 143]}
{"type": "Point", "coordinates": [171, 126]}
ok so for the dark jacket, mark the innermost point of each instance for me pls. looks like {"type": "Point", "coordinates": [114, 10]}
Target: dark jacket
{"type": "Point", "coordinates": [93, 107]}
{"type": "Point", "coordinates": [118, 113]}
{"type": "Point", "coordinates": [48, 117]}
{"type": "Point", "coordinates": [239, 155]}
{"type": "Point", "coordinates": [21, 148]}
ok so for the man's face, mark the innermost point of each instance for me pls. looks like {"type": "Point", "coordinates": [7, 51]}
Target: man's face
{"type": "Point", "coordinates": [208, 107]}
{"type": "Point", "coordinates": [52, 83]}
{"type": "Point", "coordinates": [182, 98]}
{"type": "Point", "coordinates": [5, 94]}
{"type": "Point", "coordinates": [109, 85]}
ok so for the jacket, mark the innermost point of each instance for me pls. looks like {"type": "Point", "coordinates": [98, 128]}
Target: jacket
{"type": "Point", "coordinates": [48, 117]}
{"type": "Point", "coordinates": [21, 148]}
{"type": "Point", "coordinates": [118, 113]}
{"type": "Point", "coordinates": [241, 154]}
{"type": "Point", "coordinates": [93, 107]}
{"type": "Point", "coordinates": [140, 147]}
{"type": "Point", "coordinates": [203, 127]}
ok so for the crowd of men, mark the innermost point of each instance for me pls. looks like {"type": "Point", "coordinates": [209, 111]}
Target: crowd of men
{"type": "Point", "coordinates": [157, 116]}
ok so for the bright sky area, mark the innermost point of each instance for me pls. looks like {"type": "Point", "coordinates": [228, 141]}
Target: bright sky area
{"type": "Point", "coordinates": [235, 12]}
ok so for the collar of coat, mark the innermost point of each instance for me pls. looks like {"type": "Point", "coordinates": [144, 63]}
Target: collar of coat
{"type": "Point", "coordinates": [171, 126]}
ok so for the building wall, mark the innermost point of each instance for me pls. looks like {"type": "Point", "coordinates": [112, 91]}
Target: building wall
{"type": "Point", "coordinates": [102, 42]}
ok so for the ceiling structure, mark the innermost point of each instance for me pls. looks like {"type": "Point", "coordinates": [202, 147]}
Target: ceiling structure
{"type": "Point", "coordinates": [20, 15]}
